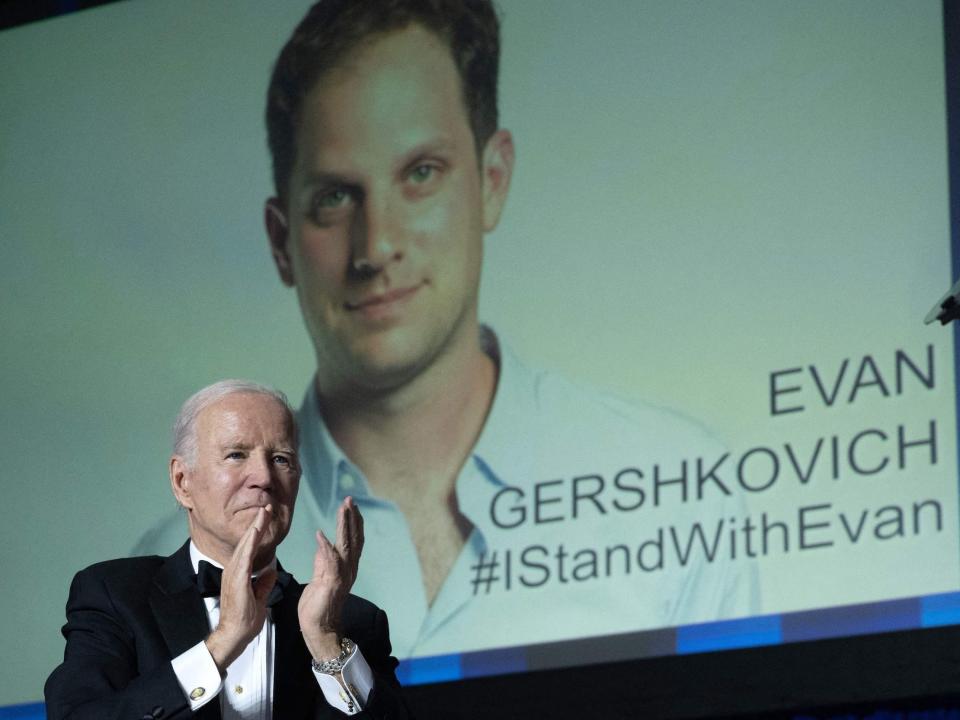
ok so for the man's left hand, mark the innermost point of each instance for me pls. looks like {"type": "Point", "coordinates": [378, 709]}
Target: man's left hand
{"type": "Point", "coordinates": [334, 571]}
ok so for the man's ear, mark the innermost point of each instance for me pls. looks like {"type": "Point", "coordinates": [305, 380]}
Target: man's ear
{"type": "Point", "coordinates": [278, 231]}
{"type": "Point", "coordinates": [180, 482]}
{"type": "Point", "coordinates": [497, 170]}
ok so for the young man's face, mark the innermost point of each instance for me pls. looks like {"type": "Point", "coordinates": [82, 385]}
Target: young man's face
{"type": "Point", "coordinates": [388, 204]}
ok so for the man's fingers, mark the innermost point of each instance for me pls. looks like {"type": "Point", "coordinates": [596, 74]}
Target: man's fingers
{"type": "Point", "coordinates": [349, 529]}
{"type": "Point", "coordinates": [342, 521]}
{"type": "Point", "coordinates": [350, 541]}
{"type": "Point", "coordinates": [248, 544]}
{"type": "Point", "coordinates": [243, 555]}
{"type": "Point", "coordinates": [355, 534]}
{"type": "Point", "coordinates": [356, 526]}
{"type": "Point", "coordinates": [325, 555]}
{"type": "Point", "coordinates": [343, 556]}
{"type": "Point", "coordinates": [262, 518]}
{"type": "Point", "coordinates": [322, 540]}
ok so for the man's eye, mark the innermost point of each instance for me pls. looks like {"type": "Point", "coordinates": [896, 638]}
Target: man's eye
{"type": "Point", "coordinates": [327, 206]}
{"type": "Point", "coordinates": [281, 459]}
{"type": "Point", "coordinates": [423, 172]}
{"type": "Point", "coordinates": [235, 455]}
{"type": "Point", "coordinates": [333, 199]}
{"type": "Point", "coordinates": [426, 173]}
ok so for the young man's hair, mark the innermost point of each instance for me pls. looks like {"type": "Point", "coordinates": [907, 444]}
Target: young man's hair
{"type": "Point", "coordinates": [332, 28]}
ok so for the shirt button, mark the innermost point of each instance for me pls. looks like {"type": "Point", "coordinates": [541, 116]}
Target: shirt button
{"type": "Point", "coordinates": [238, 689]}
{"type": "Point", "coordinates": [347, 481]}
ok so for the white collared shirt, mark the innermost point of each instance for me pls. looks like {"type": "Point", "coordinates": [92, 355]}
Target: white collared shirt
{"type": "Point", "coordinates": [247, 690]}
{"type": "Point", "coordinates": [540, 428]}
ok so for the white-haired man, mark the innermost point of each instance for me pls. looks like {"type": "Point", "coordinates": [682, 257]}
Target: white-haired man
{"type": "Point", "coordinates": [218, 629]}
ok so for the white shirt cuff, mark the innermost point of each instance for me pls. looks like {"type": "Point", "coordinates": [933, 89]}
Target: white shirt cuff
{"type": "Point", "coordinates": [351, 697]}
{"type": "Point", "coordinates": [198, 675]}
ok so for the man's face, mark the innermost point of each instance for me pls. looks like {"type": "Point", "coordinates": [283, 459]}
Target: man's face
{"type": "Point", "coordinates": [246, 459]}
{"type": "Point", "coordinates": [387, 207]}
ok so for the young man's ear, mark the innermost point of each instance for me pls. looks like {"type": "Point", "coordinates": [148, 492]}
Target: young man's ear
{"type": "Point", "coordinates": [180, 482]}
{"type": "Point", "coordinates": [278, 231]}
{"type": "Point", "coordinates": [497, 170]}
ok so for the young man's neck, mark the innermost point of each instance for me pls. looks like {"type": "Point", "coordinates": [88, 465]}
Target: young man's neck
{"type": "Point", "coordinates": [421, 430]}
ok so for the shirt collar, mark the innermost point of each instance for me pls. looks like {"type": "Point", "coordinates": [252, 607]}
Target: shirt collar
{"type": "Point", "coordinates": [196, 555]}
{"type": "Point", "coordinates": [320, 453]}
{"type": "Point", "coordinates": [497, 454]}
{"type": "Point", "coordinates": [502, 452]}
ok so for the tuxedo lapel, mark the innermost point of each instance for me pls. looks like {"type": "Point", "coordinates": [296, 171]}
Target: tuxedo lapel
{"type": "Point", "coordinates": [180, 612]}
{"type": "Point", "coordinates": [177, 605]}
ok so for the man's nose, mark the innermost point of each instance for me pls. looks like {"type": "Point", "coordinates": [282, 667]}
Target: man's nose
{"type": "Point", "coordinates": [377, 237]}
{"type": "Point", "coordinates": [260, 471]}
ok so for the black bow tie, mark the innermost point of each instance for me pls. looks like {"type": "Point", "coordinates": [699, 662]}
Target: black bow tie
{"type": "Point", "coordinates": [209, 577]}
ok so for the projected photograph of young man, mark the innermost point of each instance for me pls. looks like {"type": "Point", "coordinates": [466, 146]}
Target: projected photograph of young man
{"type": "Point", "coordinates": [491, 490]}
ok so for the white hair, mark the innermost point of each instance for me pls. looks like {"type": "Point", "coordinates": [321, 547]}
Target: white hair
{"type": "Point", "coordinates": [185, 426]}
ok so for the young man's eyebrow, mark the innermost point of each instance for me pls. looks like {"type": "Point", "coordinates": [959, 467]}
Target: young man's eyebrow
{"type": "Point", "coordinates": [329, 179]}
{"type": "Point", "coordinates": [436, 146]}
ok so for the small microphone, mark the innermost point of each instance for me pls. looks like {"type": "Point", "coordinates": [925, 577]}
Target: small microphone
{"type": "Point", "coordinates": [947, 307]}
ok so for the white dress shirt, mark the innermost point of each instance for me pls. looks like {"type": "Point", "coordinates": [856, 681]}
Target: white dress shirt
{"type": "Point", "coordinates": [247, 690]}
{"type": "Point", "coordinates": [541, 427]}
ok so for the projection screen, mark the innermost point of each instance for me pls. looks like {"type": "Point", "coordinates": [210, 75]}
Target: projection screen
{"type": "Point", "coordinates": [720, 421]}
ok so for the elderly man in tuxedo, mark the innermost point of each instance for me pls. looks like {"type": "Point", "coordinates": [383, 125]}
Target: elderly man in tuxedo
{"type": "Point", "coordinates": [218, 629]}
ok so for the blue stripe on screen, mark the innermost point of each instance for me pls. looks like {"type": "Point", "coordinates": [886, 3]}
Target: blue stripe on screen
{"type": "Point", "coordinates": [729, 634]}
{"type": "Point", "coordinates": [494, 662]}
{"type": "Point", "coordinates": [438, 668]}
{"type": "Point", "coordinates": [28, 711]}
{"type": "Point", "coordinates": [938, 610]}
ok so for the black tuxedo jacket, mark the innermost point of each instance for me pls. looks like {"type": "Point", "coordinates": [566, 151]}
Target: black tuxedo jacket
{"type": "Point", "coordinates": [126, 619]}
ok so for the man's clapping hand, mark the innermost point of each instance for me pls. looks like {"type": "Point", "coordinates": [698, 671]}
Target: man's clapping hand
{"type": "Point", "coordinates": [334, 572]}
{"type": "Point", "coordinates": [243, 605]}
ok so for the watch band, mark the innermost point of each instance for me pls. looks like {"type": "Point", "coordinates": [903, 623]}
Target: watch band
{"type": "Point", "coordinates": [332, 666]}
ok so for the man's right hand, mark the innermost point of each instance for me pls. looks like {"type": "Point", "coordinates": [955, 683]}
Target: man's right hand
{"type": "Point", "coordinates": [243, 605]}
